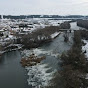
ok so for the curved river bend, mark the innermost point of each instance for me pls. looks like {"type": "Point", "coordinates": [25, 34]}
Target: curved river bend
{"type": "Point", "coordinates": [13, 75]}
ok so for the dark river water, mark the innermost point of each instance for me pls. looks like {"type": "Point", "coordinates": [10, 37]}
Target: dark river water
{"type": "Point", "coordinates": [13, 75]}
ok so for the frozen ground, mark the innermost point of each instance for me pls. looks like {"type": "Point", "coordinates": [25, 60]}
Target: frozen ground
{"type": "Point", "coordinates": [85, 48]}
{"type": "Point", "coordinates": [38, 52]}
{"type": "Point", "coordinates": [42, 73]}
{"type": "Point", "coordinates": [55, 34]}
{"type": "Point", "coordinates": [39, 75]}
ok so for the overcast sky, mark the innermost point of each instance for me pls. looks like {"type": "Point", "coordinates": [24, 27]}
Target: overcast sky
{"type": "Point", "coordinates": [51, 7]}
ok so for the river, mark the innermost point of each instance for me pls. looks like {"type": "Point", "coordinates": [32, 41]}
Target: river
{"type": "Point", "coordinates": [13, 75]}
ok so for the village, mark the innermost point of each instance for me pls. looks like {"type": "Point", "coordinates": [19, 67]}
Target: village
{"type": "Point", "coordinates": [42, 44]}
{"type": "Point", "coordinates": [13, 32]}
{"type": "Point", "coordinates": [10, 28]}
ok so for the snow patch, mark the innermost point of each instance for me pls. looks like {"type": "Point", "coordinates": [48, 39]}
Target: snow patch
{"type": "Point", "coordinates": [38, 75]}
{"type": "Point", "coordinates": [38, 52]}
{"type": "Point", "coordinates": [55, 34]}
{"type": "Point", "coordinates": [85, 48]}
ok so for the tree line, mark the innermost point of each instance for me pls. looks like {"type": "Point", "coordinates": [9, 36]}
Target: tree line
{"type": "Point", "coordinates": [74, 66]}
{"type": "Point", "coordinates": [83, 23]}
{"type": "Point", "coordinates": [41, 16]}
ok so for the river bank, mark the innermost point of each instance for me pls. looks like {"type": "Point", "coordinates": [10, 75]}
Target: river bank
{"type": "Point", "coordinates": [74, 72]}
{"type": "Point", "coordinates": [33, 40]}
{"type": "Point", "coordinates": [12, 74]}
{"type": "Point", "coordinates": [48, 67]}
{"type": "Point", "coordinates": [33, 75]}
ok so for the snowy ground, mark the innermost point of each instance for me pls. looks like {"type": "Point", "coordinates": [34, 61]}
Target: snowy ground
{"type": "Point", "coordinates": [38, 75]}
{"type": "Point", "coordinates": [85, 48]}
{"type": "Point", "coordinates": [42, 73]}
{"type": "Point", "coordinates": [55, 34]}
{"type": "Point", "coordinates": [38, 52]}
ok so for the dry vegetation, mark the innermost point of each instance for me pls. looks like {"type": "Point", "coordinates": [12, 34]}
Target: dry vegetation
{"type": "Point", "coordinates": [74, 67]}
{"type": "Point", "coordinates": [37, 37]}
{"type": "Point", "coordinates": [82, 23]}
{"type": "Point", "coordinates": [40, 36]}
{"type": "Point", "coordinates": [65, 25]}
